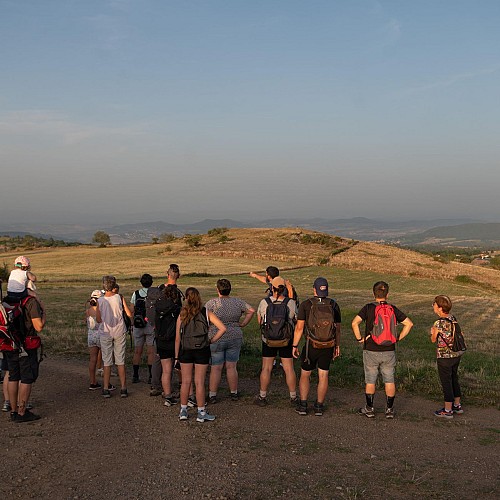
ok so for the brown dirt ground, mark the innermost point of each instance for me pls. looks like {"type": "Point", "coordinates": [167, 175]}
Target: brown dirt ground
{"type": "Point", "coordinates": [88, 447]}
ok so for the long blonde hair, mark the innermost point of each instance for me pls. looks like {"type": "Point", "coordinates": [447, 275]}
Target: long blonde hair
{"type": "Point", "coordinates": [192, 305]}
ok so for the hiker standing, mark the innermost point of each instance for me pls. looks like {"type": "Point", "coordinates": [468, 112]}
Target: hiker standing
{"type": "Point", "coordinates": [320, 318]}
{"type": "Point", "coordinates": [113, 334]}
{"type": "Point", "coordinates": [271, 273]}
{"type": "Point", "coordinates": [23, 360]}
{"type": "Point", "coordinates": [379, 345]}
{"type": "Point", "coordinates": [93, 338]}
{"type": "Point", "coordinates": [445, 333]}
{"type": "Point", "coordinates": [143, 332]}
{"type": "Point", "coordinates": [154, 293]}
{"type": "Point", "coordinates": [276, 315]}
{"type": "Point", "coordinates": [192, 349]}
{"type": "Point", "coordinates": [167, 310]}
{"type": "Point", "coordinates": [235, 314]}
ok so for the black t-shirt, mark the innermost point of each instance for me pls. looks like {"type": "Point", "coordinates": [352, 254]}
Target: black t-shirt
{"type": "Point", "coordinates": [367, 314]}
{"type": "Point", "coordinates": [305, 309]}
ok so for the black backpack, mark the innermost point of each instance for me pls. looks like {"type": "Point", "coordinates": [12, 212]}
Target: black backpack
{"type": "Point", "coordinates": [458, 341]}
{"type": "Point", "coordinates": [140, 320]}
{"type": "Point", "coordinates": [320, 326]}
{"type": "Point", "coordinates": [276, 328]}
{"type": "Point", "coordinates": [166, 315]}
{"type": "Point", "coordinates": [194, 335]}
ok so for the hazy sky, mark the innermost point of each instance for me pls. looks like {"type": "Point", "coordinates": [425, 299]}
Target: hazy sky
{"type": "Point", "coordinates": [250, 108]}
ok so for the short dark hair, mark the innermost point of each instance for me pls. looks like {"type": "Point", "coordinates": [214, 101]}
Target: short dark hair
{"type": "Point", "coordinates": [380, 289]}
{"type": "Point", "coordinates": [444, 302]}
{"type": "Point", "coordinates": [108, 283]}
{"type": "Point", "coordinates": [146, 280]}
{"type": "Point", "coordinates": [173, 271]}
{"type": "Point", "coordinates": [224, 286]}
{"type": "Point", "coordinates": [272, 271]}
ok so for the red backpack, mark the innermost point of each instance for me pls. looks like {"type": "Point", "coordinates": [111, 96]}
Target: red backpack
{"type": "Point", "coordinates": [384, 331]}
{"type": "Point", "coordinates": [12, 327]}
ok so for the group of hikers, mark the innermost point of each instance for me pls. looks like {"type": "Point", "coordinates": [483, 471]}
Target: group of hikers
{"type": "Point", "coordinates": [184, 336]}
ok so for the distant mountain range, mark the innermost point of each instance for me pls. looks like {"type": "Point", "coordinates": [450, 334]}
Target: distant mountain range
{"type": "Point", "coordinates": [450, 232]}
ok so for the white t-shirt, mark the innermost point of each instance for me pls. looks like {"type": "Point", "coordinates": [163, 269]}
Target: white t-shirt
{"type": "Point", "coordinates": [18, 279]}
{"type": "Point", "coordinates": [111, 315]}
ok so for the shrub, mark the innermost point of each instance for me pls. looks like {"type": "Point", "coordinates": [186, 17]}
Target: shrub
{"type": "Point", "coordinates": [465, 280]}
{"type": "Point", "coordinates": [166, 238]}
{"type": "Point", "coordinates": [216, 231]}
{"type": "Point", "coordinates": [193, 240]}
{"type": "Point", "coordinates": [4, 272]}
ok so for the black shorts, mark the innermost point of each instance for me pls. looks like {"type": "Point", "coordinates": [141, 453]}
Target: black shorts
{"type": "Point", "coordinates": [320, 358]}
{"type": "Point", "coordinates": [196, 356]}
{"type": "Point", "coordinates": [22, 368]}
{"type": "Point", "coordinates": [4, 366]}
{"type": "Point", "coordinates": [272, 352]}
{"type": "Point", "coordinates": [166, 351]}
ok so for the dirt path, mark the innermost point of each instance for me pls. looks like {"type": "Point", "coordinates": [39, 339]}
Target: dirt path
{"type": "Point", "coordinates": [89, 447]}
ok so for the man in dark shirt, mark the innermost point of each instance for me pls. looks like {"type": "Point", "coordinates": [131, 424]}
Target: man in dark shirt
{"type": "Point", "coordinates": [316, 354]}
{"type": "Point", "coordinates": [23, 363]}
{"type": "Point", "coordinates": [376, 357]}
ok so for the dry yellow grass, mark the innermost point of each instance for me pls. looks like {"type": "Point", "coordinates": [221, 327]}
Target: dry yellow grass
{"type": "Point", "coordinates": [244, 250]}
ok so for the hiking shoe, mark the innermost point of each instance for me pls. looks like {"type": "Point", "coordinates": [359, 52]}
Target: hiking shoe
{"type": "Point", "coordinates": [455, 408]}
{"type": "Point", "coordinates": [171, 401]}
{"type": "Point", "coordinates": [389, 413]}
{"type": "Point", "coordinates": [6, 406]}
{"type": "Point", "coordinates": [13, 416]}
{"type": "Point", "coordinates": [111, 387]}
{"type": "Point", "coordinates": [319, 408]}
{"type": "Point", "coordinates": [444, 413]}
{"type": "Point", "coordinates": [212, 400]}
{"type": "Point", "coordinates": [183, 415]}
{"type": "Point", "coordinates": [191, 402]}
{"type": "Point", "coordinates": [106, 393]}
{"type": "Point", "coordinates": [203, 416]}
{"type": "Point", "coordinates": [123, 393]}
{"type": "Point", "coordinates": [260, 401]}
{"type": "Point", "coordinates": [367, 411]}
{"type": "Point", "coordinates": [155, 392]}
{"type": "Point", "coordinates": [301, 409]}
{"type": "Point", "coordinates": [93, 387]}
{"type": "Point", "coordinates": [294, 401]}
{"type": "Point", "coordinates": [235, 396]}
{"type": "Point", "coordinates": [135, 380]}
{"type": "Point", "coordinates": [27, 417]}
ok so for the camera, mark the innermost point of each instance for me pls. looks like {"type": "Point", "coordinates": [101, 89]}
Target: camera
{"type": "Point", "coordinates": [93, 302]}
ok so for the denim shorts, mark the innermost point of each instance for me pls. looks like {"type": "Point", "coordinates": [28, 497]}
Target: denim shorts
{"type": "Point", "coordinates": [225, 350]}
{"type": "Point", "coordinates": [373, 361]}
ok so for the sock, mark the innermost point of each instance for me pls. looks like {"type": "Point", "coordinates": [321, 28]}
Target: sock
{"type": "Point", "coordinates": [369, 400]}
{"type": "Point", "coordinates": [169, 395]}
{"type": "Point", "coordinates": [236, 392]}
{"type": "Point", "coordinates": [201, 408]}
{"type": "Point", "coordinates": [262, 394]}
{"type": "Point", "coordinates": [390, 401]}
{"type": "Point", "coordinates": [184, 407]}
{"type": "Point", "coordinates": [303, 402]}
{"type": "Point", "coordinates": [150, 367]}
{"type": "Point", "coordinates": [136, 371]}
{"type": "Point", "coordinates": [293, 395]}
{"type": "Point", "coordinates": [212, 394]}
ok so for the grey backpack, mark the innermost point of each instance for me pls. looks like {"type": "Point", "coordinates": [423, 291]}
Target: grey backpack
{"type": "Point", "coordinates": [194, 335]}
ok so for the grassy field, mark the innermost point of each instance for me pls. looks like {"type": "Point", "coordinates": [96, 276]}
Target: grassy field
{"type": "Point", "coordinates": [65, 287]}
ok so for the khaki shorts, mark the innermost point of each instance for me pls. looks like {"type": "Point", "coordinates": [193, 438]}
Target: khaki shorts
{"type": "Point", "coordinates": [113, 347]}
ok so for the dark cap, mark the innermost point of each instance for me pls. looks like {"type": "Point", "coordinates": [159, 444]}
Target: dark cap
{"type": "Point", "coordinates": [321, 287]}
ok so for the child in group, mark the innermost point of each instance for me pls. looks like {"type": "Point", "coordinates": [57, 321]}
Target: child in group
{"type": "Point", "coordinates": [442, 334]}
{"type": "Point", "coordinates": [21, 280]}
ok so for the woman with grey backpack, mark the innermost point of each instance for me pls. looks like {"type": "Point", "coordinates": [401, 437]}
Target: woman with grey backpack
{"type": "Point", "coordinates": [192, 348]}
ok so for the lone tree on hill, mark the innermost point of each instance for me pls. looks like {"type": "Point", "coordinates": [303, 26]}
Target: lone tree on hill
{"type": "Point", "coordinates": [102, 238]}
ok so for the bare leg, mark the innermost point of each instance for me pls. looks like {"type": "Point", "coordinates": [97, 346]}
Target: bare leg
{"type": "Point", "coordinates": [106, 376]}
{"type": "Point", "coordinates": [304, 384]}
{"type": "Point", "coordinates": [265, 373]}
{"type": "Point", "coordinates": [122, 375]}
{"type": "Point", "coordinates": [93, 352]}
{"type": "Point", "coordinates": [200, 372]}
{"type": "Point", "coordinates": [166, 376]}
{"type": "Point", "coordinates": [215, 376]}
{"type": "Point", "coordinates": [322, 385]}
{"type": "Point", "coordinates": [187, 378]}
{"type": "Point", "coordinates": [291, 377]}
{"type": "Point", "coordinates": [24, 395]}
{"type": "Point", "coordinates": [232, 375]}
